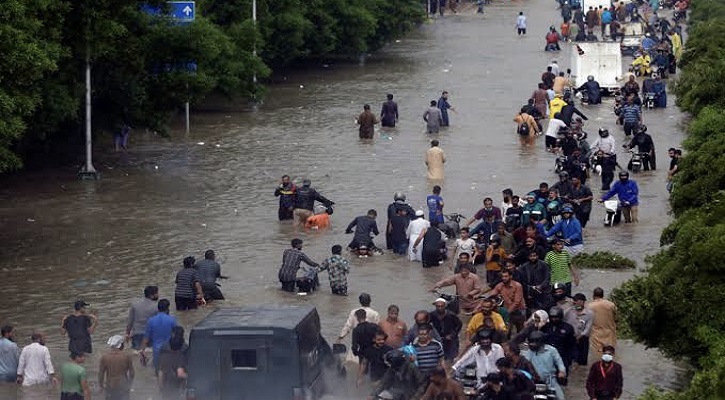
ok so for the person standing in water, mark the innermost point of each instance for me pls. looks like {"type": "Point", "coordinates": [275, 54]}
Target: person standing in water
{"type": "Point", "coordinates": [521, 23]}
{"type": "Point", "coordinates": [433, 118]}
{"type": "Point", "coordinates": [389, 113]}
{"type": "Point", "coordinates": [434, 160]}
{"type": "Point", "coordinates": [444, 105]}
{"type": "Point", "coordinates": [367, 121]}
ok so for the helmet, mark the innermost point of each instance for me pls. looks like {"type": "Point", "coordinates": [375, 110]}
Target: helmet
{"type": "Point", "coordinates": [603, 132]}
{"type": "Point", "coordinates": [399, 196]}
{"type": "Point", "coordinates": [495, 238]}
{"type": "Point", "coordinates": [590, 78]}
{"type": "Point", "coordinates": [567, 209]}
{"type": "Point", "coordinates": [556, 312]}
{"type": "Point", "coordinates": [559, 285]}
{"type": "Point", "coordinates": [483, 334]}
{"type": "Point", "coordinates": [306, 182]}
{"type": "Point", "coordinates": [623, 174]}
{"type": "Point", "coordinates": [536, 336]}
{"type": "Point", "coordinates": [654, 75]}
{"type": "Point", "coordinates": [394, 358]}
{"type": "Point", "coordinates": [642, 128]}
{"type": "Point", "coordinates": [563, 174]}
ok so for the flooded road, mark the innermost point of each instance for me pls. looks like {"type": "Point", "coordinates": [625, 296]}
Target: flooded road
{"type": "Point", "coordinates": [104, 241]}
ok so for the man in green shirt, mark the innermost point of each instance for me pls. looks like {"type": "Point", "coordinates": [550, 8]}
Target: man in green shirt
{"type": "Point", "coordinates": [561, 269]}
{"type": "Point", "coordinates": [74, 385]}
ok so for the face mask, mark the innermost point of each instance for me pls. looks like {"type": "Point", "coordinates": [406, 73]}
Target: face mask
{"type": "Point", "coordinates": [559, 297]}
{"type": "Point", "coordinates": [607, 357]}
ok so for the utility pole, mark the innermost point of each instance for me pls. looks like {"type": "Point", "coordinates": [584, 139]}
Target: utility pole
{"type": "Point", "coordinates": [87, 171]}
{"type": "Point", "coordinates": [254, 24]}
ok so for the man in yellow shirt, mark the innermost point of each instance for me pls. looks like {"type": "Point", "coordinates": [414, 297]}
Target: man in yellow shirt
{"type": "Point", "coordinates": [486, 310]}
{"type": "Point", "coordinates": [556, 104]}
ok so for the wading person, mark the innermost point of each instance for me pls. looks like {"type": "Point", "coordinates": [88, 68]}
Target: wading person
{"type": "Point", "coordinates": [291, 260]}
{"type": "Point", "coordinates": [286, 193]}
{"type": "Point", "coordinates": [139, 314]}
{"type": "Point", "coordinates": [115, 371]}
{"type": "Point", "coordinates": [35, 366]}
{"type": "Point", "coordinates": [79, 326]}
{"type": "Point", "coordinates": [433, 118]}
{"type": "Point", "coordinates": [367, 121]}
{"type": "Point", "coordinates": [158, 331]}
{"type": "Point", "coordinates": [604, 381]}
{"type": "Point", "coordinates": [444, 106]}
{"type": "Point", "coordinates": [337, 269]}
{"type": "Point", "coordinates": [9, 355]}
{"type": "Point", "coordinates": [188, 293]}
{"type": "Point", "coordinates": [389, 113]}
{"type": "Point", "coordinates": [434, 160]}
{"type": "Point", "coordinates": [604, 322]}
{"type": "Point", "coordinates": [74, 385]}
{"type": "Point", "coordinates": [209, 271]}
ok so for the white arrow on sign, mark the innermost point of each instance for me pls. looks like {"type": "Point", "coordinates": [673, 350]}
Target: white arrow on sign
{"type": "Point", "coordinates": [187, 10]}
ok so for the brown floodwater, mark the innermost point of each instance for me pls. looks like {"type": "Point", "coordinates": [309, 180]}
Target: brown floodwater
{"type": "Point", "coordinates": [172, 197]}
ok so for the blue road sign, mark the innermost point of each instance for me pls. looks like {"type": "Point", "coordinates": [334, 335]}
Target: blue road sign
{"type": "Point", "coordinates": [182, 10]}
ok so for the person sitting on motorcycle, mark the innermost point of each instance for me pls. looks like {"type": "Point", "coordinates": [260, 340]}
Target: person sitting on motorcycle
{"type": "Point", "coordinates": [641, 64]}
{"type": "Point", "coordinates": [648, 43]}
{"type": "Point", "coordinates": [660, 92]}
{"type": "Point", "coordinates": [631, 87]}
{"type": "Point", "coordinates": [486, 310]}
{"type": "Point", "coordinates": [553, 207]}
{"type": "Point", "coordinates": [365, 226]}
{"type": "Point", "coordinates": [648, 84]}
{"type": "Point", "coordinates": [645, 147]}
{"type": "Point", "coordinates": [441, 387]}
{"type": "Point", "coordinates": [563, 187]}
{"type": "Point", "coordinates": [468, 286]}
{"type": "Point", "coordinates": [533, 211]}
{"type": "Point", "coordinates": [552, 40]}
{"type": "Point", "coordinates": [546, 361]}
{"type": "Point", "coordinates": [605, 142]}
{"type": "Point", "coordinates": [570, 229]}
{"type": "Point", "coordinates": [592, 90]}
{"type": "Point", "coordinates": [577, 165]}
{"type": "Point", "coordinates": [627, 192]}
{"type": "Point", "coordinates": [520, 385]}
{"type": "Point", "coordinates": [484, 354]}
{"type": "Point", "coordinates": [402, 380]}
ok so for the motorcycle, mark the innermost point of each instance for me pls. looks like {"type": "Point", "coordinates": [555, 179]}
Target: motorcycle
{"type": "Point", "coordinates": [544, 392]}
{"type": "Point", "coordinates": [308, 282]}
{"type": "Point", "coordinates": [613, 214]}
{"type": "Point", "coordinates": [451, 300]}
{"type": "Point", "coordinates": [469, 381]}
{"type": "Point", "coordinates": [452, 227]}
{"type": "Point", "coordinates": [635, 163]}
{"type": "Point", "coordinates": [649, 100]}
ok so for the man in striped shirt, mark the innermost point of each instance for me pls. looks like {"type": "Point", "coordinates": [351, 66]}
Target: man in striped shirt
{"type": "Point", "coordinates": [561, 269]}
{"type": "Point", "coordinates": [291, 259]}
{"type": "Point", "coordinates": [429, 352]}
{"type": "Point", "coordinates": [631, 116]}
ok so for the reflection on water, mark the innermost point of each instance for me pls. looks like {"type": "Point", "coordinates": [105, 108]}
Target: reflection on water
{"type": "Point", "coordinates": [104, 241]}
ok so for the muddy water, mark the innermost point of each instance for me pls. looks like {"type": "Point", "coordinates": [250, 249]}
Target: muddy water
{"type": "Point", "coordinates": [104, 241]}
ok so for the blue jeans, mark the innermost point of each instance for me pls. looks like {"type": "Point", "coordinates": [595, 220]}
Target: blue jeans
{"type": "Point", "coordinates": [8, 377]}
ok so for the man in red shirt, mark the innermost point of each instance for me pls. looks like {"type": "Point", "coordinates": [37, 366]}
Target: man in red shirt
{"type": "Point", "coordinates": [513, 297]}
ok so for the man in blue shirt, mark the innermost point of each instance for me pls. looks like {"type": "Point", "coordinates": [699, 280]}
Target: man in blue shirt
{"type": "Point", "coordinates": [627, 192]}
{"type": "Point", "coordinates": [435, 205]}
{"type": "Point", "coordinates": [546, 361]}
{"type": "Point", "coordinates": [9, 355]}
{"type": "Point", "coordinates": [158, 331]}
{"type": "Point", "coordinates": [570, 229]}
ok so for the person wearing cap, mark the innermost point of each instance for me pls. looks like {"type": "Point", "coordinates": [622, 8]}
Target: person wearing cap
{"type": "Point", "coordinates": [305, 199]}
{"type": "Point", "coordinates": [581, 319]}
{"type": "Point", "coordinates": [415, 229]}
{"type": "Point", "coordinates": [352, 321]}
{"type": "Point", "coordinates": [605, 379]}
{"type": "Point", "coordinates": [115, 370]}
{"type": "Point", "coordinates": [448, 325]}
{"type": "Point", "coordinates": [532, 211]}
{"type": "Point", "coordinates": [569, 229]}
{"type": "Point", "coordinates": [434, 160]}
{"type": "Point", "coordinates": [73, 381]}
{"type": "Point", "coordinates": [78, 327]}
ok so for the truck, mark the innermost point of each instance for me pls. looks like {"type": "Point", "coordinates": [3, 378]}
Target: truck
{"type": "Point", "coordinates": [259, 352]}
{"type": "Point", "coordinates": [602, 60]}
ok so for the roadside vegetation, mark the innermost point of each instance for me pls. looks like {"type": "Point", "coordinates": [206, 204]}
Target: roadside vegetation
{"type": "Point", "coordinates": [678, 306]}
{"type": "Point", "coordinates": [143, 65]}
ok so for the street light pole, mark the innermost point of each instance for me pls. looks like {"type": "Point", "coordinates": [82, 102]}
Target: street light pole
{"type": "Point", "coordinates": [254, 49]}
{"type": "Point", "coordinates": [88, 172]}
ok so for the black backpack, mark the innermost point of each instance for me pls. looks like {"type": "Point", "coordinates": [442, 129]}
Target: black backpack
{"type": "Point", "coordinates": [523, 129]}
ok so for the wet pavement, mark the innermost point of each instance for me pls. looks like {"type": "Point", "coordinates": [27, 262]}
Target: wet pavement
{"type": "Point", "coordinates": [104, 241]}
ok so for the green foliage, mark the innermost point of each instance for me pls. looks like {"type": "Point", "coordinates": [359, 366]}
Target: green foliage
{"type": "Point", "coordinates": [678, 305]}
{"type": "Point", "coordinates": [603, 260]}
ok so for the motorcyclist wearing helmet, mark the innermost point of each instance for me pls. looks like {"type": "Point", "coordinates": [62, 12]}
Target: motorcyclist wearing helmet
{"type": "Point", "coordinates": [546, 361]}
{"type": "Point", "coordinates": [645, 146]}
{"type": "Point", "coordinates": [604, 142]}
{"type": "Point", "coordinates": [570, 229]}
{"type": "Point", "coordinates": [484, 353]}
{"type": "Point", "coordinates": [397, 204]}
{"type": "Point", "coordinates": [627, 192]}
{"type": "Point", "coordinates": [402, 380]}
{"type": "Point", "coordinates": [592, 90]}
{"type": "Point", "coordinates": [560, 335]}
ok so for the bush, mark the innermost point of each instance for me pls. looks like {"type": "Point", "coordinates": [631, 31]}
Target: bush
{"type": "Point", "coordinates": [603, 260]}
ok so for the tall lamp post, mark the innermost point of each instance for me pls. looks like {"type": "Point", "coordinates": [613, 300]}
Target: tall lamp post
{"type": "Point", "coordinates": [87, 171]}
